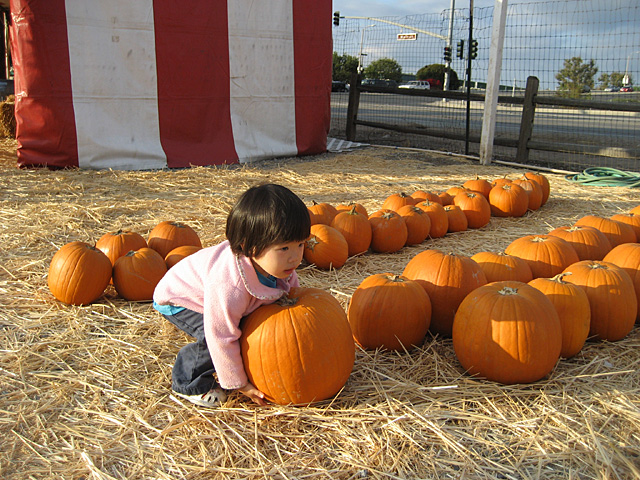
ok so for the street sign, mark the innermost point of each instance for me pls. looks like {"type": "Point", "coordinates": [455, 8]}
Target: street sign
{"type": "Point", "coordinates": [407, 36]}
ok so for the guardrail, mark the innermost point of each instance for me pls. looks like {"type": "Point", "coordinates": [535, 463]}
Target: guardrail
{"type": "Point", "coordinates": [523, 143]}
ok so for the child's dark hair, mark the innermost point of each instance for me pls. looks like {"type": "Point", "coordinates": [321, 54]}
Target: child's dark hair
{"type": "Point", "coordinates": [265, 215]}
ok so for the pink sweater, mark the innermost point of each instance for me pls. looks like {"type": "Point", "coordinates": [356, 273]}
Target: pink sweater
{"type": "Point", "coordinates": [224, 287]}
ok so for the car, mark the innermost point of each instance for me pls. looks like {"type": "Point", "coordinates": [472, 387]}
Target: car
{"type": "Point", "coordinates": [612, 89]}
{"type": "Point", "coordinates": [419, 84]}
{"type": "Point", "coordinates": [378, 82]}
{"type": "Point", "coordinates": [627, 88]}
{"type": "Point", "coordinates": [338, 86]}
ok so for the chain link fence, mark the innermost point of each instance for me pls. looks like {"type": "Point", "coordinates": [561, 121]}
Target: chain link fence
{"type": "Point", "coordinates": [541, 39]}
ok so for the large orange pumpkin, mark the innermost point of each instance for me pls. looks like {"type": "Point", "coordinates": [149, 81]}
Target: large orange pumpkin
{"type": "Point", "coordinates": [456, 219]}
{"type": "Point", "coordinates": [168, 235]}
{"type": "Point", "coordinates": [418, 224]}
{"type": "Point", "coordinates": [627, 257]}
{"type": "Point", "coordinates": [300, 349]}
{"type": "Point", "coordinates": [116, 244]}
{"type": "Point", "coordinates": [389, 311]}
{"type": "Point", "coordinates": [326, 247]}
{"type": "Point", "coordinates": [616, 232]}
{"type": "Point", "coordinates": [479, 185]}
{"type": "Point", "coordinates": [507, 332]}
{"type": "Point", "coordinates": [612, 297]}
{"type": "Point", "coordinates": [630, 219]}
{"type": "Point", "coordinates": [355, 228]}
{"type": "Point", "coordinates": [78, 273]}
{"type": "Point", "coordinates": [438, 217]}
{"type": "Point", "coordinates": [543, 181]}
{"type": "Point", "coordinates": [178, 253]}
{"type": "Point", "coordinates": [534, 191]}
{"type": "Point", "coordinates": [546, 255]}
{"type": "Point", "coordinates": [475, 207]}
{"type": "Point", "coordinates": [389, 231]}
{"type": "Point", "coordinates": [508, 200]}
{"type": "Point", "coordinates": [447, 279]}
{"type": "Point", "coordinates": [501, 267]}
{"type": "Point", "coordinates": [397, 200]}
{"type": "Point", "coordinates": [322, 212]}
{"type": "Point", "coordinates": [588, 242]}
{"type": "Point", "coordinates": [136, 274]}
{"type": "Point", "coordinates": [574, 311]}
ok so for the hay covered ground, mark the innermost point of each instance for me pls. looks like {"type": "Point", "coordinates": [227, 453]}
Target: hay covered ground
{"type": "Point", "coordinates": [85, 391]}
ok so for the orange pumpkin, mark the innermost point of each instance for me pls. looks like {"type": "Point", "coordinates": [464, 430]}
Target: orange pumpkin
{"type": "Point", "coordinates": [389, 311]}
{"type": "Point", "coordinates": [78, 273]}
{"type": "Point", "coordinates": [546, 255]}
{"type": "Point", "coordinates": [438, 217]}
{"type": "Point", "coordinates": [445, 198]}
{"type": "Point", "coordinates": [453, 191]}
{"type": "Point", "coordinates": [348, 206]}
{"type": "Point", "coordinates": [418, 224]}
{"type": "Point", "coordinates": [612, 297]}
{"type": "Point", "coordinates": [326, 247]}
{"type": "Point", "coordinates": [616, 232]}
{"type": "Point", "coordinates": [456, 219]}
{"type": "Point", "coordinates": [543, 181]}
{"type": "Point", "coordinates": [447, 279]}
{"type": "Point", "coordinates": [116, 244]}
{"type": "Point", "coordinates": [168, 235]}
{"type": "Point", "coordinates": [635, 210]}
{"type": "Point", "coordinates": [475, 207]}
{"type": "Point", "coordinates": [498, 182]}
{"type": "Point", "coordinates": [311, 327]}
{"type": "Point", "coordinates": [355, 228]}
{"type": "Point", "coordinates": [397, 200]}
{"type": "Point", "coordinates": [507, 332]}
{"type": "Point", "coordinates": [627, 257]}
{"type": "Point", "coordinates": [574, 311]}
{"type": "Point", "coordinates": [389, 231]}
{"type": "Point", "coordinates": [501, 267]}
{"type": "Point", "coordinates": [178, 253]}
{"type": "Point", "coordinates": [508, 200]}
{"type": "Point", "coordinates": [136, 274]}
{"type": "Point", "coordinates": [534, 191]}
{"type": "Point", "coordinates": [322, 212]}
{"type": "Point", "coordinates": [630, 219]}
{"type": "Point", "coordinates": [479, 185]}
{"type": "Point", "coordinates": [588, 242]}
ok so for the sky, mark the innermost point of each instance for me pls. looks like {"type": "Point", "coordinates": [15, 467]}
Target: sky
{"type": "Point", "coordinates": [541, 35]}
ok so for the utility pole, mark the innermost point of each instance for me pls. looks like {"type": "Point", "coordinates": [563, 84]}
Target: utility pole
{"type": "Point", "coordinates": [466, 137]}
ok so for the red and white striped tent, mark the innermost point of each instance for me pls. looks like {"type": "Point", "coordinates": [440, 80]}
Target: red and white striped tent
{"type": "Point", "coordinates": [148, 84]}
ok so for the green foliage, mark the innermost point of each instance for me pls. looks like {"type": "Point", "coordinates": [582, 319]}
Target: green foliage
{"type": "Point", "coordinates": [436, 71]}
{"type": "Point", "coordinates": [612, 79]}
{"type": "Point", "coordinates": [344, 66]}
{"type": "Point", "coordinates": [576, 77]}
{"type": "Point", "coordinates": [384, 68]}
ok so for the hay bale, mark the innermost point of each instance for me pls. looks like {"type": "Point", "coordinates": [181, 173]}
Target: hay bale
{"type": "Point", "coordinates": [8, 117]}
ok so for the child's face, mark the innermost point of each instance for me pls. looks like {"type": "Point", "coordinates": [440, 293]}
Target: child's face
{"type": "Point", "coordinates": [279, 260]}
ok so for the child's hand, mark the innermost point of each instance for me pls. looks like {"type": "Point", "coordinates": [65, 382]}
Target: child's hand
{"type": "Point", "coordinates": [254, 394]}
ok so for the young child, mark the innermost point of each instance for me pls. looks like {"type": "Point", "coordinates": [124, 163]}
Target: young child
{"type": "Point", "coordinates": [207, 293]}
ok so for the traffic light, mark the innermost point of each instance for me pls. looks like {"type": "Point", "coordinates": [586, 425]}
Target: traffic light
{"type": "Point", "coordinates": [336, 18]}
{"type": "Point", "coordinates": [474, 49]}
{"type": "Point", "coordinates": [447, 54]}
{"type": "Point", "coordinates": [460, 49]}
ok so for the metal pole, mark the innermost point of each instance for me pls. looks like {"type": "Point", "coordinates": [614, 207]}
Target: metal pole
{"type": "Point", "coordinates": [360, 62]}
{"type": "Point", "coordinates": [447, 71]}
{"type": "Point", "coordinates": [468, 126]}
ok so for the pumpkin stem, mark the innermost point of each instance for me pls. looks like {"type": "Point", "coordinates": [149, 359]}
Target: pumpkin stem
{"type": "Point", "coordinates": [312, 242]}
{"type": "Point", "coordinates": [539, 239]}
{"type": "Point", "coordinates": [353, 210]}
{"type": "Point", "coordinates": [508, 291]}
{"type": "Point", "coordinates": [560, 277]}
{"type": "Point", "coordinates": [395, 278]}
{"type": "Point", "coordinates": [287, 301]}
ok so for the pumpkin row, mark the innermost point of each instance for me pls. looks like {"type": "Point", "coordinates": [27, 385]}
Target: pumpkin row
{"type": "Point", "coordinates": [403, 220]}
{"type": "Point", "coordinates": [79, 272]}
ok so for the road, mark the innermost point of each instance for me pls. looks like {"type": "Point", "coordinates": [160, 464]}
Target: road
{"type": "Point", "coordinates": [608, 129]}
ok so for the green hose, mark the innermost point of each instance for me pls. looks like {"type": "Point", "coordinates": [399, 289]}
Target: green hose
{"type": "Point", "coordinates": [606, 177]}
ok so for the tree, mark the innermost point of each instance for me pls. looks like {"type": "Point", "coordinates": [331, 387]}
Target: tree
{"type": "Point", "coordinates": [612, 80]}
{"type": "Point", "coordinates": [384, 68]}
{"type": "Point", "coordinates": [576, 77]}
{"type": "Point", "coordinates": [435, 74]}
{"type": "Point", "coordinates": [344, 66]}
